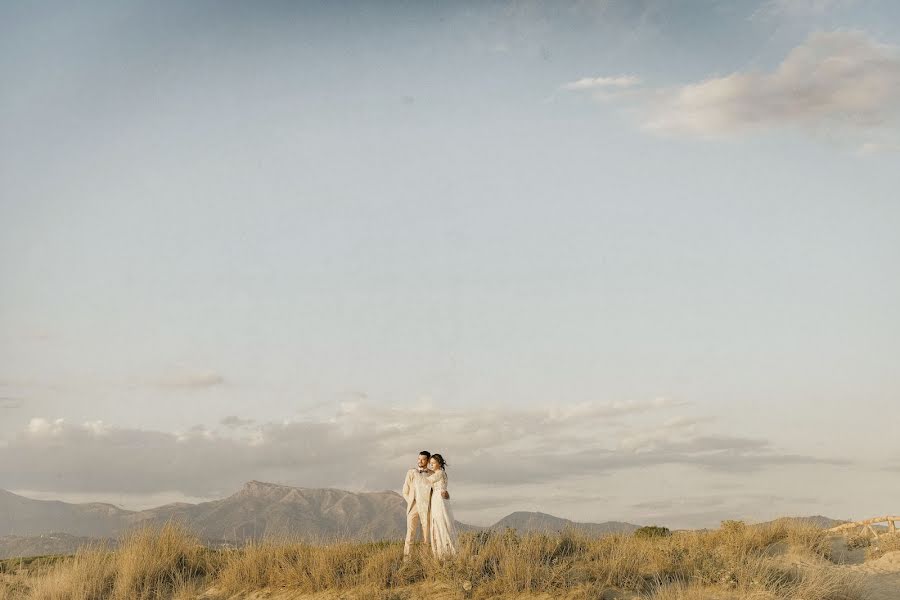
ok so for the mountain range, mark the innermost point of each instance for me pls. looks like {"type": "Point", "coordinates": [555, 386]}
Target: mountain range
{"type": "Point", "coordinates": [815, 521]}
{"type": "Point", "coordinates": [255, 511]}
{"type": "Point", "coordinates": [542, 522]}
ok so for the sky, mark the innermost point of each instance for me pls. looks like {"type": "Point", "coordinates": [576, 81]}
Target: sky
{"type": "Point", "coordinates": [615, 260]}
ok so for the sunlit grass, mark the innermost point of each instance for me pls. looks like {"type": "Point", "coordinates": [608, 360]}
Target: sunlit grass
{"type": "Point", "coordinates": [169, 562]}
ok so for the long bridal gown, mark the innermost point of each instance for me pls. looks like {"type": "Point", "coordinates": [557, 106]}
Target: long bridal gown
{"type": "Point", "coordinates": [444, 537]}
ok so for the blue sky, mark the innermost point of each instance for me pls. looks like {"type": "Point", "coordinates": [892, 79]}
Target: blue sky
{"type": "Point", "coordinates": [586, 245]}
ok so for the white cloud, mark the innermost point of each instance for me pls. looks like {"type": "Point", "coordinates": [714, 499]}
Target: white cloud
{"type": "Point", "coordinates": [838, 85]}
{"type": "Point", "coordinates": [593, 83]}
{"type": "Point", "coordinates": [836, 80]}
{"type": "Point", "coordinates": [98, 428]}
{"type": "Point", "coordinates": [39, 427]}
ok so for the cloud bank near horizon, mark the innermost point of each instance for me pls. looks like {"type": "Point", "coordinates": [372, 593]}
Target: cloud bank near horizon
{"type": "Point", "coordinates": [362, 447]}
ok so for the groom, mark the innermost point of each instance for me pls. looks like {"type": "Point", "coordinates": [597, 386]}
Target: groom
{"type": "Point", "coordinates": [417, 492]}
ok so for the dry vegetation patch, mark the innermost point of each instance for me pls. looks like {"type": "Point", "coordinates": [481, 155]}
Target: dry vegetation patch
{"type": "Point", "coordinates": [885, 543]}
{"type": "Point", "coordinates": [734, 561]}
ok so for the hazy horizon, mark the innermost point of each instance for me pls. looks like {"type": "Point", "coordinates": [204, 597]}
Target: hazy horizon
{"type": "Point", "coordinates": [614, 260]}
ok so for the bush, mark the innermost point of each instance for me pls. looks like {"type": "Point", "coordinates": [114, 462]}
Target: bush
{"type": "Point", "coordinates": [652, 531]}
{"type": "Point", "coordinates": [731, 526]}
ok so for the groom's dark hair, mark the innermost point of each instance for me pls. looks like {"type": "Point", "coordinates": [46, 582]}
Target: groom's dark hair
{"type": "Point", "coordinates": [426, 453]}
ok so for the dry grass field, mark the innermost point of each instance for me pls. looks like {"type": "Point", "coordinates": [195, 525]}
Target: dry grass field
{"type": "Point", "coordinates": [736, 561]}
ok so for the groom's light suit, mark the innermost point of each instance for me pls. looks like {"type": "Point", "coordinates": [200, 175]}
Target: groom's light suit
{"type": "Point", "coordinates": [417, 491]}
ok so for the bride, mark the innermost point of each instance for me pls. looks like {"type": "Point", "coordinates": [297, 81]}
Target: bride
{"type": "Point", "coordinates": [444, 537]}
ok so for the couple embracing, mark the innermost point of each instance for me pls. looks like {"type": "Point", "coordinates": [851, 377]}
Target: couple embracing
{"type": "Point", "coordinates": [428, 505]}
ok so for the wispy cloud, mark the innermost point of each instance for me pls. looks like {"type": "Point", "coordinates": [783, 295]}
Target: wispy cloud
{"type": "Point", "coordinates": [188, 380]}
{"type": "Point", "coordinates": [872, 148]}
{"type": "Point", "coordinates": [9, 402]}
{"type": "Point", "coordinates": [593, 83]}
{"type": "Point", "coordinates": [235, 421]}
{"type": "Point", "coordinates": [179, 378]}
{"type": "Point", "coordinates": [800, 8]}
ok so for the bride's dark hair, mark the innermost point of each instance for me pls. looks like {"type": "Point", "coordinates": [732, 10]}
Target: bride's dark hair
{"type": "Point", "coordinates": [440, 460]}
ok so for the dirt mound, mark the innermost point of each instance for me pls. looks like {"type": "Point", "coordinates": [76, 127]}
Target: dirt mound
{"type": "Point", "coordinates": [889, 561]}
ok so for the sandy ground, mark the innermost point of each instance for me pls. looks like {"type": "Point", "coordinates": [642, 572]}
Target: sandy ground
{"type": "Point", "coordinates": [882, 575]}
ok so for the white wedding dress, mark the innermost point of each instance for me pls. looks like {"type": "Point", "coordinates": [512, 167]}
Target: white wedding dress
{"type": "Point", "coordinates": [444, 537]}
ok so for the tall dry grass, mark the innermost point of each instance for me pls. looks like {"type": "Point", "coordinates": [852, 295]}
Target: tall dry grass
{"type": "Point", "coordinates": [735, 560]}
{"type": "Point", "coordinates": [886, 542]}
{"type": "Point", "coordinates": [150, 563]}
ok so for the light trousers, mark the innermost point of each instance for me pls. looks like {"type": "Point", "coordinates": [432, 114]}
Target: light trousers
{"type": "Point", "coordinates": [415, 519]}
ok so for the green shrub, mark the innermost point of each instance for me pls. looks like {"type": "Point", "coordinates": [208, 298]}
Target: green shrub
{"type": "Point", "coordinates": [652, 531]}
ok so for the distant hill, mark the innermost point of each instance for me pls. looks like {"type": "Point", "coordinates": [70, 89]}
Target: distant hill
{"type": "Point", "coordinates": [26, 517]}
{"type": "Point", "coordinates": [257, 510]}
{"type": "Point", "coordinates": [543, 523]}
{"type": "Point", "coordinates": [12, 546]}
{"type": "Point", "coordinates": [816, 520]}
{"type": "Point", "coordinates": [266, 509]}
